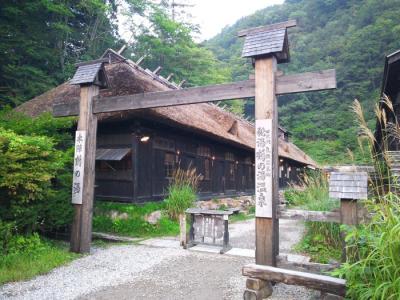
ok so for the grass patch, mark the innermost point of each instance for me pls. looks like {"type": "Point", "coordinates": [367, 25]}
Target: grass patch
{"type": "Point", "coordinates": [240, 217]}
{"type": "Point", "coordinates": [322, 239]}
{"type": "Point", "coordinates": [40, 257]}
{"type": "Point", "coordinates": [128, 219]}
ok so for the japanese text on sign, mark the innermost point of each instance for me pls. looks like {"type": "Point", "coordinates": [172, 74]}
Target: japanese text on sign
{"type": "Point", "coordinates": [79, 160]}
{"type": "Point", "coordinates": [264, 168]}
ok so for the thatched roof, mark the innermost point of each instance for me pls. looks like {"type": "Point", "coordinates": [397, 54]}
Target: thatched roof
{"type": "Point", "coordinates": [126, 77]}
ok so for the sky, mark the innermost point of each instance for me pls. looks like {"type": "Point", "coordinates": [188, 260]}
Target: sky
{"type": "Point", "coordinates": [214, 15]}
{"type": "Point", "coordinates": [211, 15]}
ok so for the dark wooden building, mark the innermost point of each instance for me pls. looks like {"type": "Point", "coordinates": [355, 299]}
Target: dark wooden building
{"type": "Point", "coordinates": [386, 131]}
{"type": "Point", "coordinates": [138, 151]}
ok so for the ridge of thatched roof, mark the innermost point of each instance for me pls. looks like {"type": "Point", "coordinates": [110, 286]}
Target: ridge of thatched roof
{"type": "Point", "coordinates": [126, 77]}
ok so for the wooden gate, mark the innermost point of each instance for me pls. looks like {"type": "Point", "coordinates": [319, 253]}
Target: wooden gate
{"type": "Point", "coordinates": [266, 46]}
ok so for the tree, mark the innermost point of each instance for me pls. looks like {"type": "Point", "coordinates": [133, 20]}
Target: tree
{"type": "Point", "coordinates": [170, 44]}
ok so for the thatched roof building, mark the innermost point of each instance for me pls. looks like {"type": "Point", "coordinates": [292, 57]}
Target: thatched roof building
{"type": "Point", "coordinates": [205, 120]}
{"type": "Point", "coordinates": [126, 78]}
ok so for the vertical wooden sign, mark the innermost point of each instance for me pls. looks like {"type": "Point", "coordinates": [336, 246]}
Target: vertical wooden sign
{"type": "Point", "coordinates": [264, 168]}
{"type": "Point", "coordinates": [81, 232]}
{"type": "Point", "coordinates": [79, 167]}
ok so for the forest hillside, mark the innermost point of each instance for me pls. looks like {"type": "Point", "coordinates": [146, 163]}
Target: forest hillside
{"type": "Point", "coordinates": [351, 36]}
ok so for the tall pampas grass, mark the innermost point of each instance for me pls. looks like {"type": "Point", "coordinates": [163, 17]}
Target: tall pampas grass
{"type": "Point", "coordinates": [372, 269]}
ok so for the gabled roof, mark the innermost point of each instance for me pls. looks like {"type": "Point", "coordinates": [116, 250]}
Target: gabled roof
{"type": "Point", "coordinates": [86, 74]}
{"type": "Point", "coordinates": [266, 42]}
{"type": "Point", "coordinates": [126, 77]}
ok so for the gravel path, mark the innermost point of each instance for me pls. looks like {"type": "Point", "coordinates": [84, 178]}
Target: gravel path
{"type": "Point", "coordinates": [242, 234]}
{"type": "Point", "coordinates": [165, 272]}
{"type": "Point", "coordinates": [104, 268]}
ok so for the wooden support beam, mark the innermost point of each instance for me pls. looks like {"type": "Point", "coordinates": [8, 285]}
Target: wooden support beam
{"type": "Point", "coordinates": [286, 84]}
{"type": "Point", "coordinates": [267, 162]}
{"type": "Point", "coordinates": [306, 82]}
{"type": "Point", "coordinates": [157, 70]}
{"type": "Point", "coordinates": [81, 233]}
{"type": "Point", "coordinates": [317, 268]}
{"type": "Point", "coordinates": [140, 60]}
{"type": "Point", "coordinates": [169, 76]}
{"type": "Point", "coordinates": [182, 83]}
{"type": "Point", "coordinates": [307, 215]}
{"type": "Point", "coordinates": [322, 283]}
{"type": "Point", "coordinates": [287, 24]}
{"type": "Point", "coordinates": [175, 97]}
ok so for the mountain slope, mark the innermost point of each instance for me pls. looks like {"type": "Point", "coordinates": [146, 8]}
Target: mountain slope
{"type": "Point", "coordinates": [351, 36]}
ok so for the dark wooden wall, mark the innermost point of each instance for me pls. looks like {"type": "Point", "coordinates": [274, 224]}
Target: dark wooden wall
{"type": "Point", "coordinates": [227, 170]}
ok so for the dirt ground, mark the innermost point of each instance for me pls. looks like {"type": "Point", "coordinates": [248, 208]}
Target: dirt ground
{"type": "Point", "coordinates": [201, 276]}
{"type": "Point", "coordinates": [158, 269]}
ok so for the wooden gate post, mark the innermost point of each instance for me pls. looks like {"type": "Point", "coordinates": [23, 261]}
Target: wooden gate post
{"type": "Point", "coordinates": [267, 185]}
{"type": "Point", "coordinates": [90, 76]}
{"type": "Point", "coordinates": [81, 234]}
{"type": "Point", "coordinates": [349, 187]}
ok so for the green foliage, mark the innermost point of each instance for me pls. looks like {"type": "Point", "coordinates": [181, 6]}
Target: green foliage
{"type": "Point", "coordinates": [372, 271]}
{"type": "Point", "coordinates": [351, 36]}
{"type": "Point", "coordinates": [41, 40]}
{"type": "Point", "coordinates": [180, 198]}
{"type": "Point", "coordinates": [322, 240]}
{"type": "Point", "coordinates": [130, 219]}
{"type": "Point", "coordinates": [29, 256]}
{"type": "Point", "coordinates": [35, 172]}
{"type": "Point", "coordinates": [170, 44]}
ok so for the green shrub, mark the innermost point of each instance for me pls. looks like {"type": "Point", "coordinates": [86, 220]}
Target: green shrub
{"type": "Point", "coordinates": [35, 172]}
{"type": "Point", "coordinates": [6, 233]}
{"type": "Point", "coordinates": [179, 199]}
{"type": "Point", "coordinates": [29, 256]}
{"type": "Point", "coordinates": [372, 270]}
{"type": "Point", "coordinates": [322, 240]}
{"type": "Point", "coordinates": [134, 224]}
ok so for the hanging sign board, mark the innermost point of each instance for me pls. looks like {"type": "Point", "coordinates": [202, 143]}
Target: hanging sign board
{"type": "Point", "coordinates": [263, 167]}
{"type": "Point", "coordinates": [79, 167]}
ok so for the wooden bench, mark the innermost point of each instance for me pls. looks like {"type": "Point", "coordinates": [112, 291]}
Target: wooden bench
{"type": "Point", "coordinates": [260, 277]}
{"type": "Point", "coordinates": [209, 227]}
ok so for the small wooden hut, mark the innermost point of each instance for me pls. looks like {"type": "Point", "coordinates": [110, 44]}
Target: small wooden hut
{"type": "Point", "coordinates": [138, 151]}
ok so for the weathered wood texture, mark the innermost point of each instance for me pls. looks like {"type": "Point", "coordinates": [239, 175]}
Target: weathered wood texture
{"type": "Point", "coordinates": [285, 84]}
{"type": "Point", "coordinates": [81, 234]}
{"type": "Point", "coordinates": [348, 211]}
{"type": "Point", "coordinates": [267, 229]}
{"type": "Point", "coordinates": [348, 185]}
{"type": "Point", "coordinates": [318, 282]}
{"type": "Point", "coordinates": [307, 215]}
{"type": "Point", "coordinates": [287, 24]}
{"type": "Point", "coordinates": [317, 268]}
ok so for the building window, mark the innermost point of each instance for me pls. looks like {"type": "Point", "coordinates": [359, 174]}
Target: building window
{"type": "Point", "coordinates": [114, 165]}
{"type": "Point", "coordinates": [206, 169]}
{"type": "Point", "coordinates": [229, 156]}
{"type": "Point", "coordinates": [169, 164]}
{"type": "Point", "coordinates": [164, 144]}
{"type": "Point", "coordinates": [204, 151]}
{"type": "Point", "coordinates": [248, 161]}
{"type": "Point", "coordinates": [232, 172]}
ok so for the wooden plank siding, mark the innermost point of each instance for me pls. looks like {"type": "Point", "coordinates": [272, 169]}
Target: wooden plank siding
{"type": "Point", "coordinates": [230, 169]}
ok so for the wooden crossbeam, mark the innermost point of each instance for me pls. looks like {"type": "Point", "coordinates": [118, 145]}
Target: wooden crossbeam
{"type": "Point", "coordinates": [322, 283]}
{"type": "Point", "coordinates": [307, 215]}
{"type": "Point", "coordinates": [286, 84]}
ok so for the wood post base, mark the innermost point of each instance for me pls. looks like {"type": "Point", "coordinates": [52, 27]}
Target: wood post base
{"type": "Point", "coordinates": [257, 289]}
